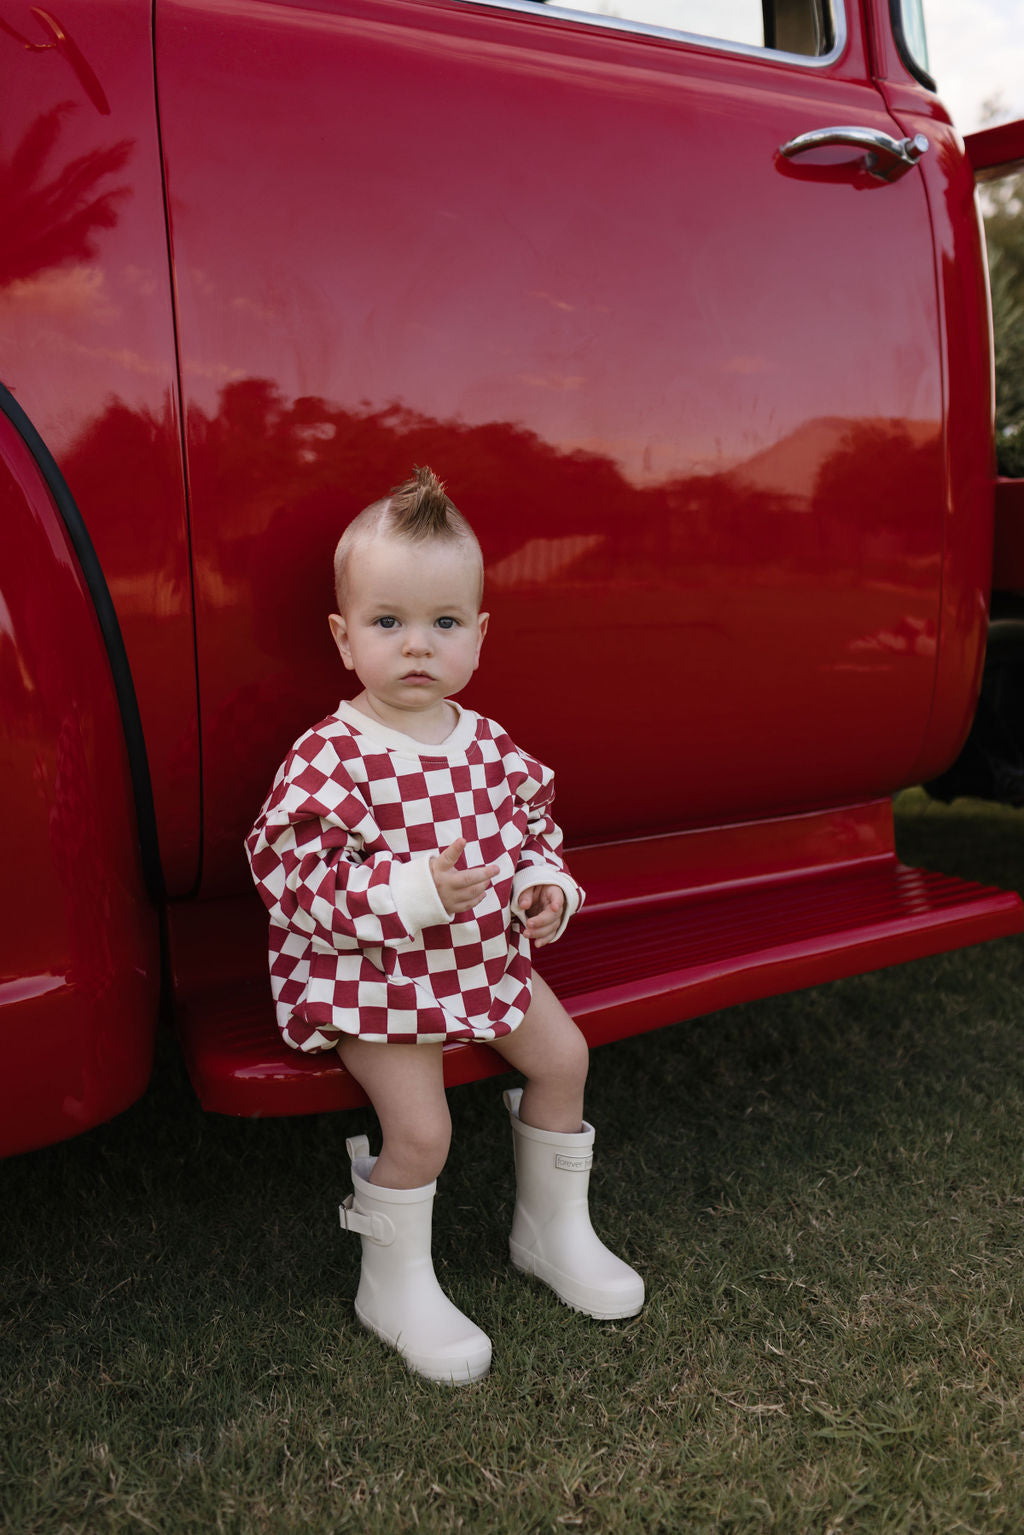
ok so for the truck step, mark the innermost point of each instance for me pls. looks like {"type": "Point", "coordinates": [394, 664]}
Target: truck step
{"type": "Point", "coordinates": [621, 972]}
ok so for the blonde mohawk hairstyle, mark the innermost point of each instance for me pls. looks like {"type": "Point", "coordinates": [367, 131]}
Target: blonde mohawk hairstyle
{"type": "Point", "coordinates": [417, 509]}
{"type": "Point", "coordinates": [420, 508]}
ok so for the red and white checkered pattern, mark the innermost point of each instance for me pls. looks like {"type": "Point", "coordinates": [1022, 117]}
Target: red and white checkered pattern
{"type": "Point", "coordinates": [350, 951]}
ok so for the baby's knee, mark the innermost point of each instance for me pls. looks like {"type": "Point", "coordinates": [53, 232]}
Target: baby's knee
{"type": "Point", "coordinates": [577, 1062]}
{"type": "Point", "coordinates": [566, 1061]}
{"type": "Point", "coordinates": [420, 1148]}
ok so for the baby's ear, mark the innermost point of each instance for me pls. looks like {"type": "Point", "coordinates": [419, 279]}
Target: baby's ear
{"type": "Point", "coordinates": [339, 633]}
{"type": "Point", "coordinates": [482, 620]}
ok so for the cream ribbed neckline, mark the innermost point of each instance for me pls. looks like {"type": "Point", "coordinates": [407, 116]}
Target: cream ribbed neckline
{"type": "Point", "coordinates": [407, 746]}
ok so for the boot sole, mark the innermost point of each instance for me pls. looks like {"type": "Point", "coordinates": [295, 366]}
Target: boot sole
{"type": "Point", "coordinates": [550, 1277]}
{"type": "Point", "coordinates": [458, 1373]}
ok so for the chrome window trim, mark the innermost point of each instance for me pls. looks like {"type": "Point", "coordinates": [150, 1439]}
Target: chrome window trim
{"type": "Point", "coordinates": [541, 12]}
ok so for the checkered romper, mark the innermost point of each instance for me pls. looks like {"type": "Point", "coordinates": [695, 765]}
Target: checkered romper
{"type": "Point", "coordinates": [359, 940]}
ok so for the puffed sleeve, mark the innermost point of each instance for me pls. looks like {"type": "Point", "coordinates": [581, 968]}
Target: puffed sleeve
{"type": "Point", "coordinates": [541, 861]}
{"type": "Point", "coordinates": [320, 863]}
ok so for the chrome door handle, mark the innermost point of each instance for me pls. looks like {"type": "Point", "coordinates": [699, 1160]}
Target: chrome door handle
{"type": "Point", "coordinates": [887, 158]}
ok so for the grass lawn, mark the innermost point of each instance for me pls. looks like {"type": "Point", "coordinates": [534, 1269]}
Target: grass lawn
{"type": "Point", "coordinates": [823, 1191]}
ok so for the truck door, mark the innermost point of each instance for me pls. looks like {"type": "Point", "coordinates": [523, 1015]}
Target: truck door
{"type": "Point", "coordinates": [689, 387]}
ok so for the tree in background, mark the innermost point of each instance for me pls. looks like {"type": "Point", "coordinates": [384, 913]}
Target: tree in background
{"type": "Point", "coordinates": [1002, 204]}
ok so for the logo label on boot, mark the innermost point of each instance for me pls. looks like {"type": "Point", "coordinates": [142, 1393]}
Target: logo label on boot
{"type": "Point", "coordinates": [574, 1164]}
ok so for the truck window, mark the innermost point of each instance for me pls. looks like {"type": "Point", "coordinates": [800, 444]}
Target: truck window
{"type": "Point", "coordinates": [912, 39]}
{"type": "Point", "coordinates": [806, 28]}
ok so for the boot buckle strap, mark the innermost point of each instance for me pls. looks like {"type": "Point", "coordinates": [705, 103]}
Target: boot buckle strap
{"type": "Point", "coordinates": [377, 1227]}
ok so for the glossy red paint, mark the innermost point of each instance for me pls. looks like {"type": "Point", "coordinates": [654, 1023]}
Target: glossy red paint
{"type": "Point", "coordinates": [482, 267]}
{"type": "Point", "coordinates": [88, 346]}
{"type": "Point", "coordinates": [997, 151]}
{"type": "Point", "coordinates": [80, 968]}
{"type": "Point", "coordinates": [964, 365]}
{"type": "Point", "coordinates": [722, 419]}
{"type": "Point", "coordinates": [693, 923]}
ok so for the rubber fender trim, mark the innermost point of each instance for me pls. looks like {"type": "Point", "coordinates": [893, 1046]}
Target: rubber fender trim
{"type": "Point", "coordinates": [113, 640]}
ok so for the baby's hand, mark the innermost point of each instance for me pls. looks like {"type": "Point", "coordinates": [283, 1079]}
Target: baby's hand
{"type": "Point", "coordinates": [540, 908]}
{"type": "Point", "coordinates": [459, 889]}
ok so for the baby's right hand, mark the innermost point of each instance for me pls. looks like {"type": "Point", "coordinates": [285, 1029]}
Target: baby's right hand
{"type": "Point", "coordinates": [459, 889]}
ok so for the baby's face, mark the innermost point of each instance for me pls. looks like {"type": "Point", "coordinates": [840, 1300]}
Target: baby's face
{"type": "Point", "coordinates": [412, 626]}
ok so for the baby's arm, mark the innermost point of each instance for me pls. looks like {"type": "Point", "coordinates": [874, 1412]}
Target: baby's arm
{"type": "Point", "coordinates": [310, 861]}
{"type": "Point", "coordinates": [544, 893]}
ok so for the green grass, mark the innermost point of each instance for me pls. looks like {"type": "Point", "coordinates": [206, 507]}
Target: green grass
{"type": "Point", "coordinates": [824, 1192]}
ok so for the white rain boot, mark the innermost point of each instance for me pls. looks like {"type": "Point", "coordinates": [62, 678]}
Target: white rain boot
{"type": "Point", "coordinates": [551, 1232]}
{"type": "Point", "coordinates": [399, 1297]}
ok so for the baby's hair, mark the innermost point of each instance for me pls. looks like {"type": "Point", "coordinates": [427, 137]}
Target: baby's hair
{"type": "Point", "coordinates": [417, 510]}
{"type": "Point", "coordinates": [420, 508]}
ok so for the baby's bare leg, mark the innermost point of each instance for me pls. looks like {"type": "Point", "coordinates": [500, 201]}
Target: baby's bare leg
{"type": "Point", "coordinates": [391, 1206]}
{"type": "Point", "coordinates": [551, 1233]}
{"type": "Point", "coordinates": [552, 1054]}
{"type": "Point", "coordinates": [405, 1084]}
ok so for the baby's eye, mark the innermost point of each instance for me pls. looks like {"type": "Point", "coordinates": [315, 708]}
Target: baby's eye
{"type": "Point", "coordinates": [447, 623]}
{"type": "Point", "coordinates": [387, 621]}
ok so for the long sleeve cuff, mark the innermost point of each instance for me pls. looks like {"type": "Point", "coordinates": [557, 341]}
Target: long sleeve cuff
{"type": "Point", "coordinates": [544, 874]}
{"type": "Point", "coordinates": [416, 899]}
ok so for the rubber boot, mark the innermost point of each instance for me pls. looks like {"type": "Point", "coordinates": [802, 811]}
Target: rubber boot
{"type": "Point", "coordinates": [551, 1232]}
{"type": "Point", "coordinates": [399, 1297]}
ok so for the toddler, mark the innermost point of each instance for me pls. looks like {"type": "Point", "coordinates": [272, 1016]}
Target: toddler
{"type": "Point", "coordinates": [409, 862]}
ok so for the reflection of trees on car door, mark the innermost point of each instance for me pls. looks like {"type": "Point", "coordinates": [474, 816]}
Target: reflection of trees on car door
{"type": "Point", "coordinates": [88, 345]}
{"type": "Point", "coordinates": [519, 224]}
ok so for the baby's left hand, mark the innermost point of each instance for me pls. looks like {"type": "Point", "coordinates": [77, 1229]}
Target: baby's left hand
{"type": "Point", "coordinates": [540, 911]}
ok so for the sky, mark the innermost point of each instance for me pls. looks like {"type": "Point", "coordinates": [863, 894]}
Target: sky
{"type": "Point", "coordinates": [976, 50]}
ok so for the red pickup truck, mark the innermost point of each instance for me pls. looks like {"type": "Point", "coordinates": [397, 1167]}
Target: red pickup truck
{"type": "Point", "coordinates": [696, 329]}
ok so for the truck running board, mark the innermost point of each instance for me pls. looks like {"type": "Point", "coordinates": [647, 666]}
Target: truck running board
{"type": "Point", "coordinates": [672, 929]}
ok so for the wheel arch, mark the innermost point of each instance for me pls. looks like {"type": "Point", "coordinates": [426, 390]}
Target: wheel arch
{"type": "Point", "coordinates": [80, 903]}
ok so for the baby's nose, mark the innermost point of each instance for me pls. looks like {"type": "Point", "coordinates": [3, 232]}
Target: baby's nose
{"type": "Point", "coordinates": [417, 640]}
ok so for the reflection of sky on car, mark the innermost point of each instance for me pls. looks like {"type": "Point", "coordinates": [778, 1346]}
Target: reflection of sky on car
{"type": "Point", "coordinates": [738, 21]}
{"type": "Point", "coordinates": [976, 52]}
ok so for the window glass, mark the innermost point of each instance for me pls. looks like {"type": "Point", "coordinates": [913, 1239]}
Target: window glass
{"type": "Point", "coordinates": [788, 26]}
{"type": "Point", "coordinates": [1002, 204]}
{"type": "Point", "coordinates": [911, 16]}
